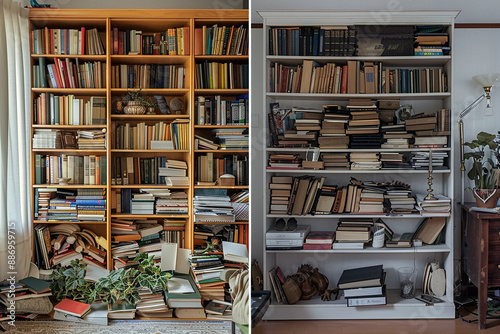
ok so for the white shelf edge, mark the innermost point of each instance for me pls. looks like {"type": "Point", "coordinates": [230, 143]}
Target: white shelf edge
{"type": "Point", "coordinates": [369, 250]}
{"type": "Point", "coordinates": [351, 171]}
{"type": "Point", "coordinates": [410, 216]}
{"type": "Point", "coordinates": [348, 150]}
{"type": "Point", "coordinates": [415, 96]}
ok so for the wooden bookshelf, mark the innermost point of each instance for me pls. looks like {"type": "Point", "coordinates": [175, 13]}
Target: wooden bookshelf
{"type": "Point", "coordinates": [149, 21]}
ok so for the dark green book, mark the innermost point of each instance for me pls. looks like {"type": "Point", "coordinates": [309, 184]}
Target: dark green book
{"type": "Point", "coordinates": [35, 285]}
{"type": "Point", "coordinates": [361, 277]}
{"type": "Point", "coordinates": [190, 299]}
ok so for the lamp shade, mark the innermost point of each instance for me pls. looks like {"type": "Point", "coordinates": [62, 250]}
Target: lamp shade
{"type": "Point", "coordinates": [486, 79]}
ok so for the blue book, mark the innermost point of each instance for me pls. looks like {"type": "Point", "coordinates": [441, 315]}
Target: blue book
{"type": "Point", "coordinates": [90, 202]}
{"type": "Point", "coordinates": [321, 50]}
{"type": "Point", "coordinates": [315, 42]}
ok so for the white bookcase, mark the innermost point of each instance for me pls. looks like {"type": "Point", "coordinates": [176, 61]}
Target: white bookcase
{"type": "Point", "coordinates": [333, 262]}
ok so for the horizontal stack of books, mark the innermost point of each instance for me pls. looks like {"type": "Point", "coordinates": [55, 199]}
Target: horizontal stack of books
{"type": "Point", "coordinates": [353, 233]}
{"type": "Point", "coordinates": [441, 205]}
{"type": "Point", "coordinates": [213, 208]}
{"type": "Point", "coordinates": [319, 240]}
{"type": "Point", "coordinates": [401, 201]}
{"type": "Point", "coordinates": [364, 286]}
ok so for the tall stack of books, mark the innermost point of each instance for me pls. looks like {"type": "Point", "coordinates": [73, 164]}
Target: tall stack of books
{"type": "Point", "coordinates": [46, 138]}
{"type": "Point", "coordinates": [393, 160]}
{"type": "Point", "coordinates": [174, 231]}
{"type": "Point", "coordinates": [431, 43]}
{"type": "Point", "coordinates": [365, 160]}
{"type": "Point", "coordinates": [232, 139]}
{"type": "Point", "coordinates": [364, 124]}
{"type": "Point", "coordinates": [281, 187]}
{"type": "Point", "coordinates": [142, 204]}
{"type": "Point", "coordinates": [364, 286]}
{"type": "Point", "coordinates": [124, 252]}
{"type": "Point", "coordinates": [332, 133]}
{"type": "Point", "coordinates": [91, 204]}
{"type": "Point", "coordinates": [175, 203]}
{"type": "Point", "coordinates": [124, 230]}
{"type": "Point", "coordinates": [371, 201]}
{"type": "Point", "coordinates": [152, 304]}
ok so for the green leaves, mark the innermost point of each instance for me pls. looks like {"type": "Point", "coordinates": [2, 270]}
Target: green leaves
{"type": "Point", "coordinates": [480, 171]}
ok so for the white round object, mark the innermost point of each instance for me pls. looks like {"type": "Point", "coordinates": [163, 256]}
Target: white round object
{"type": "Point", "coordinates": [438, 283]}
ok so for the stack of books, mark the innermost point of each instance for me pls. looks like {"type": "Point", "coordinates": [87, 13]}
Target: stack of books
{"type": "Point", "coordinates": [319, 240]}
{"type": "Point", "coordinates": [364, 286]}
{"type": "Point", "coordinates": [421, 122]}
{"type": "Point", "coordinates": [175, 203]}
{"type": "Point", "coordinates": [353, 233]}
{"type": "Point", "coordinates": [142, 204]}
{"type": "Point", "coordinates": [433, 141]}
{"type": "Point", "coordinates": [400, 201]}
{"type": "Point", "coordinates": [124, 230]}
{"type": "Point", "coordinates": [31, 287]}
{"type": "Point", "coordinates": [371, 201]}
{"type": "Point", "coordinates": [232, 139]}
{"type": "Point", "coordinates": [434, 43]}
{"type": "Point", "coordinates": [174, 231]}
{"type": "Point", "coordinates": [98, 314]}
{"type": "Point", "coordinates": [393, 160]}
{"type": "Point", "coordinates": [280, 194]}
{"type": "Point", "coordinates": [332, 133]}
{"type": "Point", "coordinates": [421, 160]}
{"type": "Point", "coordinates": [124, 252]}
{"type": "Point", "coordinates": [91, 139]}
{"type": "Point", "coordinates": [152, 304]}
{"type": "Point", "coordinates": [364, 124]}
{"type": "Point", "coordinates": [121, 310]}
{"type": "Point", "coordinates": [284, 161]}
{"type": "Point", "coordinates": [365, 160]}
{"type": "Point", "coordinates": [46, 138]}
{"type": "Point", "coordinates": [213, 208]}
{"type": "Point", "coordinates": [182, 293]}
{"type": "Point", "coordinates": [202, 143]}
{"type": "Point", "coordinates": [90, 204]}
{"type": "Point", "coordinates": [72, 307]}
{"type": "Point", "coordinates": [441, 205]}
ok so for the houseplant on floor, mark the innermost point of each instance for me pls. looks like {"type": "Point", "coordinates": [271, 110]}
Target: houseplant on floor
{"type": "Point", "coordinates": [481, 171]}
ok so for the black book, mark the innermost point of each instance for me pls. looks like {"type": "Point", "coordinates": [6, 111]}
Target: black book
{"type": "Point", "coordinates": [361, 277]}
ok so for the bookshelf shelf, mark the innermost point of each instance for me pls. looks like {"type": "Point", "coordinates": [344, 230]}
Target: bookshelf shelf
{"type": "Point", "coordinates": [147, 186]}
{"type": "Point", "coordinates": [68, 222]}
{"type": "Point", "coordinates": [368, 250]}
{"type": "Point", "coordinates": [336, 216]}
{"type": "Point", "coordinates": [152, 91]}
{"type": "Point", "coordinates": [222, 58]}
{"type": "Point", "coordinates": [224, 223]}
{"type": "Point", "coordinates": [221, 187]}
{"type": "Point", "coordinates": [220, 91]}
{"type": "Point", "coordinates": [81, 57]}
{"type": "Point", "coordinates": [398, 307]}
{"type": "Point", "coordinates": [349, 171]}
{"type": "Point", "coordinates": [72, 151]}
{"type": "Point", "coordinates": [220, 126]}
{"type": "Point", "coordinates": [75, 91]}
{"type": "Point", "coordinates": [107, 21]}
{"type": "Point", "coordinates": [146, 118]}
{"type": "Point", "coordinates": [333, 150]}
{"type": "Point", "coordinates": [385, 60]}
{"type": "Point", "coordinates": [68, 127]}
{"type": "Point", "coordinates": [71, 186]}
{"type": "Point", "coordinates": [316, 96]}
{"type": "Point", "coordinates": [221, 151]}
{"type": "Point", "coordinates": [279, 74]}
{"type": "Point", "coordinates": [131, 216]}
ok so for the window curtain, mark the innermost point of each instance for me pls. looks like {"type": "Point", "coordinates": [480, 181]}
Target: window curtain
{"type": "Point", "coordinates": [15, 208]}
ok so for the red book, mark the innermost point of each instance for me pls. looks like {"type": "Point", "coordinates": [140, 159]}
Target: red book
{"type": "Point", "coordinates": [121, 35]}
{"type": "Point", "coordinates": [83, 41]}
{"type": "Point", "coordinates": [198, 41]}
{"type": "Point", "coordinates": [51, 42]}
{"type": "Point", "coordinates": [72, 307]}
{"type": "Point", "coordinates": [65, 75]}
{"type": "Point", "coordinates": [344, 80]}
{"type": "Point", "coordinates": [320, 237]}
{"type": "Point", "coordinates": [115, 40]}
{"type": "Point", "coordinates": [318, 246]}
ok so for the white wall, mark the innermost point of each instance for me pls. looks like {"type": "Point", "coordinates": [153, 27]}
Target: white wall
{"type": "Point", "coordinates": [146, 4]}
{"type": "Point", "coordinates": [472, 11]}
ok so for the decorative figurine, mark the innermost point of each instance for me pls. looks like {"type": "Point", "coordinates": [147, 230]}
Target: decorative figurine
{"type": "Point", "coordinates": [162, 104]}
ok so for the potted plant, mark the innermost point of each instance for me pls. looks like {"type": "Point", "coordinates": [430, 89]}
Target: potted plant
{"type": "Point", "coordinates": [150, 104]}
{"type": "Point", "coordinates": [134, 101]}
{"type": "Point", "coordinates": [120, 285]}
{"type": "Point", "coordinates": [481, 172]}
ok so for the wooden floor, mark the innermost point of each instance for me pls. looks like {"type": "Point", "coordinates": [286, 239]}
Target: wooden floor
{"type": "Point", "coordinates": [418, 326]}
{"type": "Point", "coordinates": [374, 326]}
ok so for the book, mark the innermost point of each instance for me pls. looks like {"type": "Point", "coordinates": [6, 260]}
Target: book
{"type": "Point", "coordinates": [216, 307]}
{"type": "Point", "coordinates": [368, 301]}
{"type": "Point", "coordinates": [431, 229]}
{"type": "Point", "coordinates": [72, 307]}
{"type": "Point", "coordinates": [361, 277]}
{"type": "Point", "coordinates": [98, 315]}
{"type": "Point", "coordinates": [366, 291]}
{"type": "Point", "coordinates": [35, 285]}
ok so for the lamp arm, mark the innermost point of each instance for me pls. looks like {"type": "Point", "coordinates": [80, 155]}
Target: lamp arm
{"type": "Point", "coordinates": [471, 106]}
{"type": "Point", "coordinates": [462, 114]}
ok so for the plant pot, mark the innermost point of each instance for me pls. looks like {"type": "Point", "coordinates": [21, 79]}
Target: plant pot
{"type": "Point", "coordinates": [134, 108]}
{"type": "Point", "coordinates": [486, 198]}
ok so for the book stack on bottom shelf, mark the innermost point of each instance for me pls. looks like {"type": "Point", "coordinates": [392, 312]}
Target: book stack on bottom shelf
{"type": "Point", "coordinates": [364, 286]}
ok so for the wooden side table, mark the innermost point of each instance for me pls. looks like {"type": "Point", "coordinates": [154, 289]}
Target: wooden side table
{"type": "Point", "coordinates": [481, 253]}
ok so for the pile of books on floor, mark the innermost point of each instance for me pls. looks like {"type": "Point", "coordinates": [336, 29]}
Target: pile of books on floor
{"type": "Point", "coordinates": [152, 304]}
{"type": "Point", "coordinates": [91, 139]}
{"type": "Point", "coordinates": [364, 286]}
{"type": "Point", "coordinates": [440, 205]}
{"type": "Point", "coordinates": [24, 292]}
{"type": "Point", "coordinates": [183, 296]}
{"type": "Point", "coordinates": [75, 311]}
{"type": "Point", "coordinates": [213, 208]}
{"type": "Point", "coordinates": [353, 233]}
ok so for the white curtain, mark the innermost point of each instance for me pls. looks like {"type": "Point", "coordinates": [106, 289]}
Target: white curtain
{"type": "Point", "coordinates": [15, 208]}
